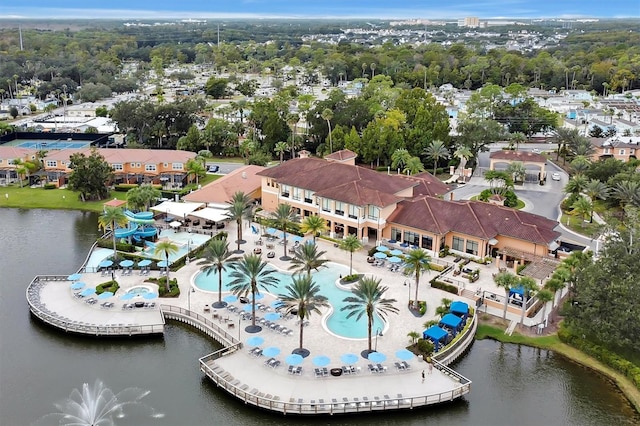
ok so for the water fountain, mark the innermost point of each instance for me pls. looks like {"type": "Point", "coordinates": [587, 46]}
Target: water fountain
{"type": "Point", "coordinates": [97, 406]}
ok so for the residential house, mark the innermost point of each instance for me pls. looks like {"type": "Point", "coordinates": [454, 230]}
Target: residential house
{"type": "Point", "coordinates": [220, 191]}
{"type": "Point", "coordinates": [623, 148]}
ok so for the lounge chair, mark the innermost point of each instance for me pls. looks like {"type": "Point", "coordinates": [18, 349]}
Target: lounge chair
{"type": "Point", "coordinates": [336, 404]}
{"type": "Point", "coordinates": [406, 365]}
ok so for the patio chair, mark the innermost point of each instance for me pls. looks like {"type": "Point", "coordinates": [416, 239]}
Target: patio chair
{"type": "Point", "coordinates": [389, 401]}
{"type": "Point", "coordinates": [406, 365]}
{"type": "Point", "coordinates": [291, 369]}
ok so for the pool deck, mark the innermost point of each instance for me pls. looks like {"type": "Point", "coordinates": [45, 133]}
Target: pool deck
{"type": "Point", "coordinates": [247, 377]}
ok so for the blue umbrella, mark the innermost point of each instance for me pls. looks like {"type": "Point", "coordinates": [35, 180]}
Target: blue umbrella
{"type": "Point", "coordinates": [271, 231]}
{"type": "Point", "coordinates": [294, 359]}
{"type": "Point", "coordinates": [145, 262]}
{"type": "Point", "coordinates": [88, 292]}
{"type": "Point", "coordinates": [277, 304]}
{"type": "Point", "coordinates": [272, 316]}
{"type": "Point", "coordinates": [247, 307]}
{"type": "Point", "coordinates": [394, 259]}
{"type": "Point", "coordinates": [163, 264]}
{"type": "Point", "coordinates": [377, 357]}
{"type": "Point", "coordinates": [258, 296]}
{"type": "Point", "coordinates": [77, 285]}
{"type": "Point", "coordinates": [231, 298]}
{"type": "Point", "coordinates": [255, 341]}
{"type": "Point", "coordinates": [404, 354]}
{"type": "Point", "coordinates": [321, 361]}
{"type": "Point", "coordinates": [127, 263]}
{"type": "Point", "coordinates": [105, 263]}
{"type": "Point", "coordinates": [127, 296]}
{"type": "Point", "coordinates": [74, 277]}
{"type": "Point", "coordinates": [382, 248]}
{"type": "Point", "coordinates": [396, 252]}
{"type": "Point", "coordinates": [283, 235]}
{"type": "Point", "coordinates": [150, 295]}
{"type": "Point", "coordinates": [271, 351]}
{"type": "Point", "coordinates": [380, 255]}
{"type": "Point", "coordinates": [297, 238]}
{"type": "Point", "coordinates": [105, 295]}
{"type": "Point", "coordinates": [349, 358]}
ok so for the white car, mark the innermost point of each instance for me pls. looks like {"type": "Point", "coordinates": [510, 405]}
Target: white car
{"type": "Point", "coordinates": [555, 176]}
{"type": "Point", "coordinates": [535, 151]}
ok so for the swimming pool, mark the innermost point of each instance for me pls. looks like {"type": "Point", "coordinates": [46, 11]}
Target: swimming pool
{"type": "Point", "coordinates": [337, 322]}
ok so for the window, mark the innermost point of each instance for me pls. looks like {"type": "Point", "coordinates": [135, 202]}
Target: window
{"type": "Point", "coordinates": [622, 152]}
{"type": "Point", "coordinates": [326, 205]}
{"type": "Point", "coordinates": [176, 166]}
{"type": "Point", "coordinates": [374, 212]}
{"type": "Point", "coordinates": [117, 166]}
{"type": "Point", "coordinates": [285, 191]}
{"type": "Point", "coordinates": [396, 234]}
{"type": "Point", "coordinates": [411, 238]}
{"type": "Point", "coordinates": [458, 244]}
{"type": "Point", "coordinates": [150, 167]}
{"type": "Point", "coordinates": [427, 242]}
{"type": "Point", "coordinates": [354, 211]}
{"type": "Point", "coordinates": [52, 163]}
{"type": "Point", "coordinates": [339, 208]}
{"type": "Point", "coordinates": [296, 193]}
{"type": "Point", "coordinates": [472, 247]}
{"type": "Point", "coordinates": [132, 165]}
{"type": "Point", "coordinates": [165, 165]}
{"type": "Point", "coordinates": [607, 151]}
{"type": "Point", "coordinates": [308, 196]}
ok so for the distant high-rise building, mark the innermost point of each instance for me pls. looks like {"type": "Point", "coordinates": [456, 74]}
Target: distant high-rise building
{"type": "Point", "coordinates": [470, 21]}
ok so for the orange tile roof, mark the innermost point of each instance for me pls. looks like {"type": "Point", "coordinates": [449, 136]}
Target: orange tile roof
{"type": "Point", "coordinates": [505, 154]}
{"type": "Point", "coordinates": [220, 191]}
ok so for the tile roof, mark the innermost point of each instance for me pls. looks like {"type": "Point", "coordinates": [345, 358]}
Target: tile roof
{"type": "Point", "coordinates": [505, 154]}
{"type": "Point", "coordinates": [474, 218]}
{"type": "Point", "coordinates": [341, 182]}
{"type": "Point", "coordinates": [220, 191]}
{"type": "Point", "coordinates": [342, 155]}
{"type": "Point", "coordinates": [428, 184]}
{"type": "Point", "coordinates": [113, 156]}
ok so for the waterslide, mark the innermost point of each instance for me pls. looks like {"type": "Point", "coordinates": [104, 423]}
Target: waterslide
{"type": "Point", "coordinates": [134, 229]}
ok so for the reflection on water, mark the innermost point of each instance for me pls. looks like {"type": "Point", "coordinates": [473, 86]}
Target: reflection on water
{"type": "Point", "coordinates": [512, 385]}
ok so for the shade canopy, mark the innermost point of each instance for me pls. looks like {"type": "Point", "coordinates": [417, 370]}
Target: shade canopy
{"type": "Point", "coordinates": [321, 361]}
{"type": "Point", "coordinates": [175, 224]}
{"type": "Point", "coordinates": [434, 333]}
{"type": "Point", "coordinates": [248, 307]}
{"type": "Point", "coordinates": [394, 259]}
{"type": "Point", "coordinates": [297, 238]}
{"type": "Point", "coordinates": [105, 263]}
{"type": "Point", "coordinates": [451, 320]}
{"type": "Point", "coordinates": [271, 231]}
{"type": "Point", "coordinates": [74, 277]}
{"type": "Point", "coordinates": [177, 209]}
{"type": "Point", "coordinates": [294, 359]}
{"type": "Point", "coordinates": [255, 341]}
{"type": "Point", "coordinates": [458, 307]}
{"type": "Point", "coordinates": [382, 248]}
{"type": "Point", "coordinates": [380, 255]}
{"type": "Point", "coordinates": [396, 252]}
{"type": "Point", "coordinates": [277, 304]}
{"type": "Point", "coordinates": [349, 358]}
{"type": "Point", "coordinates": [126, 263]}
{"type": "Point", "coordinates": [231, 298]}
{"type": "Point", "coordinates": [271, 351]}
{"type": "Point", "coordinates": [209, 213]}
{"type": "Point", "coordinates": [105, 295]}
{"type": "Point", "coordinates": [163, 264]}
{"type": "Point", "coordinates": [145, 262]}
{"type": "Point", "coordinates": [127, 296]}
{"type": "Point", "coordinates": [404, 354]}
{"type": "Point", "coordinates": [88, 292]}
{"type": "Point", "coordinates": [258, 296]}
{"type": "Point", "coordinates": [377, 357]}
{"type": "Point", "coordinates": [77, 285]}
{"type": "Point", "coordinates": [272, 316]}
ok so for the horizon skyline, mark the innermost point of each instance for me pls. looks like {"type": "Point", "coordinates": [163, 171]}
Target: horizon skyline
{"type": "Point", "coordinates": [330, 9]}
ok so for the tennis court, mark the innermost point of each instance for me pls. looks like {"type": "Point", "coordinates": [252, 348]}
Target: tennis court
{"type": "Point", "coordinates": [48, 144]}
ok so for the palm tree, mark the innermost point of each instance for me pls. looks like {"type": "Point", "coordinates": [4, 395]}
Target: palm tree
{"type": "Point", "coordinates": [464, 154]}
{"type": "Point", "coordinates": [565, 137]}
{"type": "Point", "coordinates": [111, 218]}
{"type": "Point", "coordinates": [368, 299]}
{"type": "Point", "coordinates": [414, 165]}
{"type": "Point", "coordinates": [582, 207]}
{"type": "Point", "coordinates": [576, 184]}
{"type": "Point", "coordinates": [350, 243]}
{"type": "Point", "coordinates": [580, 165]}
{"type": "Point", "coordinates": [292, 120]}
{"type": "Point", "coordinates": [249, 275]}
{"type": "Point", "coordinates": [313, 224]}
{"type": "Point", "coordinates": [327, 115]}
{"type": "Point", "coordinates": [506, 281]}
{"type": "Point", "coordinates": [280, 149]}
{"type": "Point", "coordinates": [414, 336]}
{"type": "Point", "coordinates": [196, 169]}
{"type": "Point", "coordinates": [528, 285]}
{"type": "Point", "coordinates": [518, 138]}
{"type": "Point", "coordinates": [216, 255]}
{"type": "Point", "coordinates": [436, 151]}
{"type": "Point", "coordinates": [307, 257]}
{"type": "Point", "coordinates": [239, 209]}
{"type": "Point", "coordinates": [303, 298]}
{"type": "Point", "coordinates": [561, 276]}
{"type": "Point", "coordinates": [416, 261]}
{"type": "Point", "coordinates": [140, 197]}
{"type": "Point", "coordinates": [166, 248]}
{"type": "Point", "coordinates": [544, 296]}
{"type": "Point", "coordinates": [282, 218]}
{"type": "Point", "coordinates": [203, 155]}
{"type": "Point", "coordinates": [399, 158]}
{"type": "Point", "coordinates": [517, 170]}
{"type": "Point", "coordinates": [627, 192]}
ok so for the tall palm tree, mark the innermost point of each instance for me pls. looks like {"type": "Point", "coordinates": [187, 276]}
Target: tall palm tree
{"type": "Point", "coordinates": [303, 297]}
{"type": "Point", "coordinates": [282, 218]}
{"type": "Point", "coordinates": [518, 138]}
{"type": "Point", "coordinates": [627, 192]}
{"type": "Point", "coordinates": [544, 296]}
{"type": "Point", "coordinates": [517, 170]}
{"type": "Point", "coordinates": [368, 299]}
{"type": "Point", "coordinates": [196, 169]}
{"type": "Point", "coordinates": [239, 209]}
{"type": "Point", "coordinates": [463, 153]}
{"type": "Point", "coordinates": [313, 224]}
{"type": "Point", "coordinates": [307, 257]}
{"type": "Point", "coordinates": [576, 184]}
{"type": "Point", "coordinates": [565, 137]}
{"type": "Point", "coordinates": [436, 151]}
{"type": "Point", "coordinates": [416, 261]}
{"type": "Point", "coordinates": [111, 218]}
{"type": "Point", "coordinates": [350, 243]}
{"type": "Point", "coordinates": [249, 275]}
{"type": "Point", "coordinates": [561, 276]}
{"type": "Point", "coordinates": [280, 149]}
{"type": "Point", "coordinates": [414, 165]}
{"type": "Point", "coordinates": [506, 281]}
{"type": "Point", "coordinates": [528, 285]}
{"type": "Point", "coordinates": [216, 255]}
{"type": "Point", "coordinates": [140, 197]}
{"type": "Point", "coordinates": [327, 115]}
{"type": "Point", "coordinates": [399, 158]}
{"type": "Point", "coordinates": [582, 207]}
{"type": "Point", "coordinates": [166, 248]}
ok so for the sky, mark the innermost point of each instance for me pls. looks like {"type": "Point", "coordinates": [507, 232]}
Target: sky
{"type": "Point", "coordinates": [383, 9]}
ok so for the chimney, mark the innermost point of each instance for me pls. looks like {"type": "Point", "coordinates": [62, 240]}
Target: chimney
{"type": "Point", "coordinates": [244, 175]}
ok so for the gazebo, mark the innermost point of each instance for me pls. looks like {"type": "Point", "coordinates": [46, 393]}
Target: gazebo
{"type": "Point", "coordinates": [460, 309]}
{"type": "Point", "coordinates": [451, 321]}
{"type": "Point", "coordinates": [435, 334]}
{"type": "Point", "coordinates": [114, 203]}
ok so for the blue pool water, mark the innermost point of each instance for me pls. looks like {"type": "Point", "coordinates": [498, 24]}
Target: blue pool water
{"type": "Point", "coordinates": [326, 278]}
{"type": "Point", "coordinates": [139, 290]}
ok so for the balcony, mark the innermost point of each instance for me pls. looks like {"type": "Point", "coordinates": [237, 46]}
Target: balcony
{"type": "Point", "coordinates": [285, 195]}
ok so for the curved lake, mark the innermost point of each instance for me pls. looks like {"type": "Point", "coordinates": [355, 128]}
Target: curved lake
{"type": "Point", "coordinates": [40, 366]}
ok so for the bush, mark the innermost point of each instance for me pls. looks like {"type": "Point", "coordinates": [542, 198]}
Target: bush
{"type": "Point", "coordinates": [50, 186]}
{"type": "Point", "coordinates": [436, 267]}
{"type": "Point", "coordinates": [372, 251]}
{"type": "Point", "coordinates": [124, 187]}
{"type": "Point", "coordinates": [350, 279]}
{"type": "Point", "coordinates": [422, 307]}
{"type": "Point", "coordinates": [425, 347]}
{"type": "Point", "coordinates": [120, 246]}
{"type": "Point", "coordinates": [520, 268]}
{"type": "Point", "coordinates": [162, 286]}
{"type": "Point", "coordinates": [444, 286]}
{"type": "Point", "coordinates": [111, 286]}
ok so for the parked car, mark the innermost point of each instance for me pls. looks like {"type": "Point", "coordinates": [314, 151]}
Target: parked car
{"type": "Point", "coordinates": [535, 151]}
{"type": "Point", "coordinates": [213, 168]}
{"type": "Point", "coordinates": [555, 176]}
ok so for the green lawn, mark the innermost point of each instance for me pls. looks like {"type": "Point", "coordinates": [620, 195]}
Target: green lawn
{"type": "Point", "coordinates": [519, 206]}
{"type": "Point", "coordinates": [39, 198]}
{"type": "Point", "coordinates": [579, 226]}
